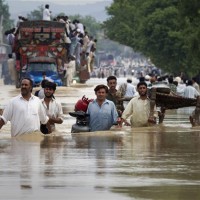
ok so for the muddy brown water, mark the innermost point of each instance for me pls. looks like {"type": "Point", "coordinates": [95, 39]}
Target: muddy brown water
{"type": "Point", "coordinates": [160, 162]}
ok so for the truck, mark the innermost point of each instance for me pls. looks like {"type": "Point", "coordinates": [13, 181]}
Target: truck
{"type": "Point", "coordinates": [38, 46]}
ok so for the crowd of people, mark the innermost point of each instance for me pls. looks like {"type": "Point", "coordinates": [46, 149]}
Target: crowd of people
{"type": "Point", "coordinates": [113, 104]}
{"type": "Point", "coordinates": [80, 46]}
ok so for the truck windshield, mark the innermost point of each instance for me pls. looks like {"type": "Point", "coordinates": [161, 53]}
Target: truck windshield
{"type": "Point", "coordinates": [41, 67]}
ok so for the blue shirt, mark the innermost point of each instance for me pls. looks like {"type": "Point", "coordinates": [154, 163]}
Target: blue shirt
{"type": "Point", "coordinates": [102, 117]}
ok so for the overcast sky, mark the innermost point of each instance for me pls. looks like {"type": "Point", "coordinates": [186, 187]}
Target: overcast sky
{"type": "Point", "coordinates": [65, 2]}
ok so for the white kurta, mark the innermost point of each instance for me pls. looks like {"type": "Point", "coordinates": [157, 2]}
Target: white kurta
{"type": "Point", "coordinates": [25, 116]}
{"type": "Point", "coordinates": [54, 110]}
{"type": "Point", "coordinates": [139, 111]}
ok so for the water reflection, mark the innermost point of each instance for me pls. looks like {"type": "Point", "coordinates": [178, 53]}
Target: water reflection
{"type": "Point", "coordinates": [159, 162]}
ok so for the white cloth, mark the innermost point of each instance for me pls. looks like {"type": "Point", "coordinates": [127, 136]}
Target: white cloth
{"type": "Point", "coordinates": [180, 89]}
{"type": "Point", "coordinates": [139, 111]}
{"type": "Point", "coordinates": [130, 92]}
{"type": "Point", "coordinates": [25, 116]}
{"type": "Point", "coordinates": [54, 110]}
{"type": "Point", "coordinates": [81, 27]}
{"type": "Point", "coordinates": [46, 14]}
{"type": "Point", "coordinates": [190, 92]}
{"type": "Point", "coordinates": [11, 68]}
{"type": "Point", "coordinates": [196, 86]}
{"type": "Point", "coordinates": [41, 94]}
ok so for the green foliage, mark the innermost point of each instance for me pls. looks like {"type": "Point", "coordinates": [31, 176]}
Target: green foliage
{"type": "Point", "coordinates": [36, 14]}
{"type": "Point", "coordinates": [4, 11]}
{"type": "Point", "coordinates": [165, 31]}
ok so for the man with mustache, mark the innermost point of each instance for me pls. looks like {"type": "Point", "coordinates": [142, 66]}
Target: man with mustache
{"type": "Point", "coordinates": [103, 113]}
{"type": "Point", "coordinates": [25, 111]}
{"type": "Point", "coordinates": [52, 107]}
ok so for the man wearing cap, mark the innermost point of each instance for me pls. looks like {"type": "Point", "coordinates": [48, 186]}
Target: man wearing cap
{"type": "Point", "coordinates": [52, 107]}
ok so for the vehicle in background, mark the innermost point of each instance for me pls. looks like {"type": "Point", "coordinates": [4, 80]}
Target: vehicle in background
{"type": "Point", "coordinates": [35, 70]}
{"type": "Point", "coordinates": [38, 46]}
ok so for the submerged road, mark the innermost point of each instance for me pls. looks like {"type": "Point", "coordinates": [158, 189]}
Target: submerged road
{"type": "Point", "coordinates": [158, 163]}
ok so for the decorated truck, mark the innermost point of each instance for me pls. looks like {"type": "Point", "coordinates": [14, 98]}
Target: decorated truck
{"type": "Point", "coordinates": [38, 46]}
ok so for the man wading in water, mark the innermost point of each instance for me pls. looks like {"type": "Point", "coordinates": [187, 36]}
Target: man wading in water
{"type": "Point", "coordinates": [139, 109]}
{"type": "Point", "coordinates": [25, 111]}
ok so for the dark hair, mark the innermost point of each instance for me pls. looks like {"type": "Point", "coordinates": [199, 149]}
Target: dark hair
{"type": "Point", "coordinates": [175, 83]}
{"type": "Point", "coordinates": [47, 6]}
{"type": "Point", "coordinates": [189, 82]}
{"type": "Point", "coordinates": [141, 83]}
{"type": "Point", "coordinates": [50, 85]}
{"type": "Point", "coordinates": [170, 79]}
{"type": "Point", "coordinates": [194, 79]}
{"type": "Point", "coordinates": [26, 78]}
{"type": "Point", "coordinates": [43, 83]}
{"type": "Point", "coordinates": [142, 79]}
{"type": "Point", "coordinates": [111, 78]}
{"type": "Point", "coordinates": [98, 87]}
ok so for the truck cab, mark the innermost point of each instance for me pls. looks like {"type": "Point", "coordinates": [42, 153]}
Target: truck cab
{"type": "Point", "coordinates": [35, 72]}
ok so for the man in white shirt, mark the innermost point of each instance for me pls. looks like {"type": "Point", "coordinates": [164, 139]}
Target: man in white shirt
{"type": "Point", "coordinates": [190, 91]}
{"type": "Point", "coordinates": [25, 111]}
{"type": "Point", "coordinates": [139, 109]}
{"type": "Point", "coordinates": [128, 91]}
{"type": "Point", "coordinates": [46, 13]}
{"type": "Point", "coordinates": [52, 107]}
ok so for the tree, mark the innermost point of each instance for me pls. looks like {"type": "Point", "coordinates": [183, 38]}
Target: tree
{"type": "Point", "coordinates": [4, 12]}
{"type": "Point", "coordinates": [36, 14]}
{"type": "Point", "coordinates": [165, 31]}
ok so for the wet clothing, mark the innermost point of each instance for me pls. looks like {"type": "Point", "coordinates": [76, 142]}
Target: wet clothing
{"type": "Point", "coordinates": [25, 116]}
{"type": "Point", "coordinates": [139, 111]}
{"type": "Point", "coordinates": [53, 111]}
{"type": "Point", "coordinates": [102, 117]}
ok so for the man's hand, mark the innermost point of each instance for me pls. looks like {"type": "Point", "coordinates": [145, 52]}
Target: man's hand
{"type": "Point", "coordinates": [152, 120]}
{"type": "Point", "coordinates": [121, 121]}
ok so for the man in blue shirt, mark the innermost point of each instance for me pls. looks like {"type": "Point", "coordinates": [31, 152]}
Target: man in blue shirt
{"type": "Point", "coordinates": [103, 113]}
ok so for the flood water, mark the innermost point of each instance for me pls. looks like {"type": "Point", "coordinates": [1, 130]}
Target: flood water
{"type": "Point", "coordinates": [160, 162]}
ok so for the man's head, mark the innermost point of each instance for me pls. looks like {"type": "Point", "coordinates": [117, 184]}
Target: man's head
{"type": "Point", "coordinates": [142, 89]}
{"type": "Point", "coordinates": [170, 79]}
{"type": "Point", "coordinates": [190, 82]}
{"type": "Point", "coordinates": [43, 83]}
{"type": "Point", "coordinates": [43, 75]}
{"type": "Point", "coordinates": [194, 80]}
{"type": "Point", "coordinates": [49, 89]}
{"type": "Point", "coordinates": [47, 6]}
{"type": "Point", "coordinates": [129, 80]}
{"type": "Point", "coordinates": [101, 92]}
{"type": "Point", "coordinates": [26, 86]}
{"type": "Point", "coordinates": [112, 82]}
